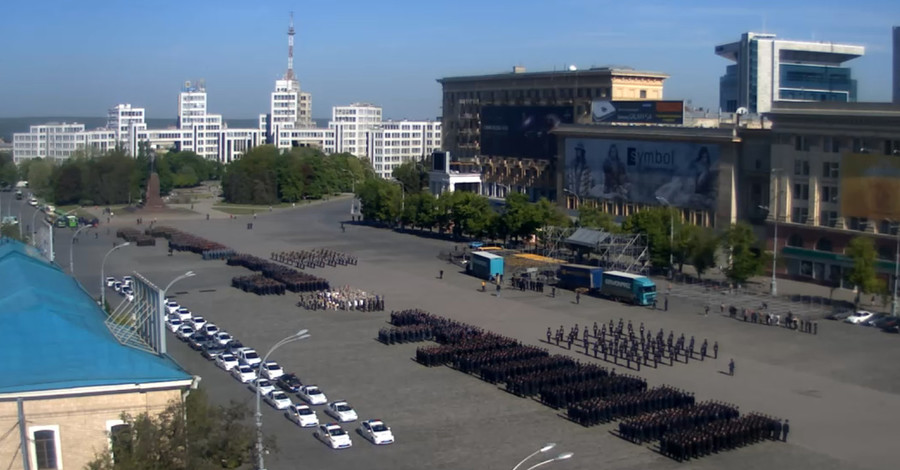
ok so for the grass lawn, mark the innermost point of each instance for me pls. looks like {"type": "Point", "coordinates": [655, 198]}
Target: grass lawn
{"type": "Point", "coordinates": [240, 210]}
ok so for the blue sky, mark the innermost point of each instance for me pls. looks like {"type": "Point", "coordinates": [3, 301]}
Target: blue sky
{"type": "Point", "coordinates": [78, 58]}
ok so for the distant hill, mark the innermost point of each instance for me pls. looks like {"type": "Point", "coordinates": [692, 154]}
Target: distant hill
{"type": "Point", "coordinates": [9, 126]}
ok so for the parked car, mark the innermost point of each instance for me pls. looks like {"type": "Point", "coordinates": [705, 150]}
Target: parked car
{"type": "Point", "coordinates": [376, 432]}
{"type": "Point", "coordinates": [226, 361]}
{"type": "Point", "coordinates": [263, 385]}
{"type": "Point", "coordinates": [271, 370]}
{"type": "Point", "coordinates": [110, 281]}
{"type": "Point", "coordinates": [877, 320]}
{"type": "Point", "coordinates": [278, 399]}
{"type": "Point", "coordinates": [890, 325]}
{"type": "Point", "coordinates": [211, 349]}
{"type": "Point", "coordinates": [117, 286]}
{"type": "Point", "coordinates": [312, 395]}
{"type": "Point", "coordinates": [302, 415]}
{"type": "Point", "coordinates": [243, 373]}
{"type": "Point", "coordinates": [289, 383]}
{"type": "Point", "coordinates": [249, 357]}
{"type": "Point", "coordinates": [184, 313]}
{"type": "Point", "coordinates": [210, 329]}
{"type": "Point", "coordinates": [223, 338]}
{"type": "Point", "coordinates": [858, 317]}
{"type": "Point", "coordinates": [184, 332]}
{"type": "Point", "coordinates": [197, 323]}
{"type": "Point", "coordinates": [196, 340]}
{"type": "Point", "coordinates": [333, 435]}
{"type": "Point", "coordinates": [173, 324]}
{"type": "Point", "coordinates": [341, 411]}
{"type": "Point", "coordinates": [171, 306]}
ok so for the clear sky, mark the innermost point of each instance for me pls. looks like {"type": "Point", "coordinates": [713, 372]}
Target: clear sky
{"type": "Point", "coordinates": [78, 58]}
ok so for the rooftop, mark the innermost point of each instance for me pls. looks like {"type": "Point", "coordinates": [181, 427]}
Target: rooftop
{"type": "Point", "coordinates": [520, 73]}
{"type": "Point", "coordinates": [54, 335]}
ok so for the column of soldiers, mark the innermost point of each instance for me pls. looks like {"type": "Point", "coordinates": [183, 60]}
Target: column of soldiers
{"type": "Point", "coordinates": [317, 258]}
{"type": "Point", "coordinates": [603, 410]}
{"type": "Point", "coordinates": [345, 298]}
{"type": "Point", "coordinates": [719, 436]}
{"type": "Point", "coordinates": [406, 334]}
{"type": "Point", "coordinates": [258, 284]}
{"type": "Point", "coordinates": [634, 349]}
{"type": "Point", "coordinates": [294, 281]}
{"type": "Point", "coordinates": [652, 426]}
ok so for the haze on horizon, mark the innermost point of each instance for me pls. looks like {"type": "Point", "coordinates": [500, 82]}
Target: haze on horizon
{"type": "Point", "coordinates": [67, 58]}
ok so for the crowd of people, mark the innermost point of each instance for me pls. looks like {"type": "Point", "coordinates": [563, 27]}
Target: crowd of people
{"type": "Point", "coordinates": [183, 241]}
{"type": "Point", "coordinates": [258, 284]}
{"type": "Point", "coordinates": [293, 280]}
{"type": "Point", "coordinates": [344, 298]}
{"type": "Point", "coordinates": [717, 436]}
{"type": "Point", "coordinates": [599, 410]}
{"type": "Point", "coordinates": [317, 258]}
{"type": "Point", "coordinates": [623, 345]}
{"type": "Point", "coordinates": [763, 316]}
{"type": "Point", "coordinates": [135, 236]}
{"type": "Point", "coordinates": [654, 425]}
{"type": "Point", "coordinates": [406, 334]}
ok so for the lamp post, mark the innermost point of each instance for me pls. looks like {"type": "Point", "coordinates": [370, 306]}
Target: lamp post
{"type": "Point", "coordinates": [563, 456]}
{"type": "Point", "coordinates": [547, 447]}
{"type": "Point", "coordinates": [665, 202]}
{"type": "Point", "coordinates": [300, 335]}
{"type": "Point", "coordinates": [33, 227]}
{"type": "Point", "coordinates": [103, 273]}
{"type": "Point", "coordinates": [72, 249]}
{"type": "Point", "coordinates": [774, 213]}
{"type": "Point", "coordinates": [577, 197]}
{"type": "Point", "coordinates": [896, 271]}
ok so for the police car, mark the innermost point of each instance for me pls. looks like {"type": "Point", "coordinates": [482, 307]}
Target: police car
{"type": "Point", "coordinates": [333, 435]}
{"type": "Point", "coordinates": [376, 432]}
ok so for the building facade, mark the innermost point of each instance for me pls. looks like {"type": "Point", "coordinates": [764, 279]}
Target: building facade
{"type": "Point", "coordinates": [289, 106]}
{"type": "Point", "coordinates": [834, 176]}
{"type": "Point", "coordinates": [399, 142]}
{"type": "Point", "coordinates": [355, 127]}
{"type": "Point", "coordinates": [896, 68]}
{"type": "Point", "coordinates": [767, 69]}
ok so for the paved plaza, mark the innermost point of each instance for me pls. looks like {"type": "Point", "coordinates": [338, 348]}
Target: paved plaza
{"type": "Point", "coordinates": [838, 388]}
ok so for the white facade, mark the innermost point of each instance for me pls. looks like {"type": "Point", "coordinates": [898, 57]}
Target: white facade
{"type": "Point", "coordinates": [122, 118]}
{"type": "Point", "coordinates": [355, 127]}
{"type": "Point", "coordinates": [58, 141]}
{"type": "Point", "coordinates": [398, 142]}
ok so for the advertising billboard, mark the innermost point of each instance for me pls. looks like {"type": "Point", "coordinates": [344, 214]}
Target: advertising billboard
{"type": "Point", "coordinates": [638, 112]}
{"type": "Point", "coordinates": [870, 185]}
{"type": "Point", "coordinates": [521, 131]}
{"type": "Point", "coordinates": [684, 174]}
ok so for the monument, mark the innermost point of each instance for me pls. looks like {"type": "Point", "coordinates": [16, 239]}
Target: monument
{"type": "Point", "coordinates": [153, 201]}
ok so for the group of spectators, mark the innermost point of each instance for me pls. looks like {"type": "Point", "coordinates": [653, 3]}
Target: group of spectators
{"type": "Point", "coordinates": [293, 280]}
{"type": "Point", "coordinates": [317, 258]}
{"type": "Point", "coordinates": [345, 298]}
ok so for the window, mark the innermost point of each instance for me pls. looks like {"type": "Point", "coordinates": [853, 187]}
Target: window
{"type": "Point", "coordinates": [887, 227]}
{"type": "Point", "coordinates": [831, 145]}
{"type": "Point", "coordinates": [806, 268]}
{"type": "Point", "coordinates": [795, 240]}
{"type": "Point", "coordinates": [831, 169]}
{"type": "Point", "coordinates": [799, 215]}
{"type": "Point", "coordinates": [858, 223]}
{"type": "Point", "coordinates": [643, 94]}
{"type": "Point", "coordinates": [45, 447]}
{"type": "Point", "coordinates": [824, 244]}
{"type": "Point", "coordinates": [828, 218]}
{"type": "Point", "coordinates": [892, 147]}
{"type": "Point", "coordinates": [829, 194]}
{"type": "Point", "coordinates": [801, 143]}
{"type": "Point", "coordinates": [801, 167]}
{"type": "Point", "coordinates": [801, 191]}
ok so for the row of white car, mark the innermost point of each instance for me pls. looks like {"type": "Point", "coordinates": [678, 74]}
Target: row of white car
{"type": "Point", "coordinates": [273, 383]}
{"type": "Point", "coordinates": [125, 287]}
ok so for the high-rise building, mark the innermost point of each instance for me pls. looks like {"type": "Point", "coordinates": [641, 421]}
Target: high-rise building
{"type": "Point", "coordinates": [192, 114]}
{"type": "Point", "coordinates": [125, 120]}
{"type": "Point", "coordinates": [896, 46]}
{"type": "Point", "coordinates": [289, 107]}
{"type": "Point", "coordinates": [355, 128]}
{"type": "Point", "coordinates": [767, 69]}
{"type": "Point", "coordinates": [398, 142]}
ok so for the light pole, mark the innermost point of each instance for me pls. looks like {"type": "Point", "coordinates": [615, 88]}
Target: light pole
{"type": "Point", "coordinates": [665, 202]}
{"type": "Point", "coordinates": [563, 456]}
{"type": "Point", "coordinates": [547, 447]}
{"type": "Point", "coordinates": [774, 212]}
{"type": "Point", "coordinates": [103, 273]}
{"type": "Point", "coordinates": [577, 197]}
{"type": "Point", "coordinates": [896, 271]}
{"type": "Point", "coordinates": [300, 335]}
{"type": "Point", "coordinates": [72, 249]}
{"type": "Point", "coordinates": [183, 276]}
{"type": "Point", "coordinates": [33, 228]}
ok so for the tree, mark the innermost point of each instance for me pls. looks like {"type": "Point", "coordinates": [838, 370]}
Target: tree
{"type": "Point", "coordinates": [862, 252]}
{"type": "Point", "coordinates": [67, 183]}
{"type": "Point", "coordinates": [412, 176]}
{"type": "Point", "coordinates": [746, 259]}
{"type": "Point", "coordinates": [594, 217]}
{"type": "Point", "coordinates": [191, 435]}
{"type": "Point", "coordinates": [9, 174]}
{"type": "Point", "coordinates": [380, 200]}
{"type": "Point", "coordinates": [654, 223]}
{"type": "Point", "coordinates": [40, 172]}
{"type": "Point", "coordinates": [702, 251]}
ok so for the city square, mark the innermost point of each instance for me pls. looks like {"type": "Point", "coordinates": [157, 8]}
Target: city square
{"type": "Point", "coordinates": [838, 388]}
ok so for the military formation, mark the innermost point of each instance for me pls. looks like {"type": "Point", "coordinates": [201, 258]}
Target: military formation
{"type": "Point", "coordinates": [135, 236]}
{"type": "Point", "coordinates": [589, 393]}
{"type": "Point", "coordinates": [318, 258]}
{"type": "Point", "coordinates": [625, 346]}
{"type": "Point", "coordinates": [258, 284]}
{"type": "Point", "coordinates": [345, 298]}
{"type": "Point", "coordinates": [293, 280]}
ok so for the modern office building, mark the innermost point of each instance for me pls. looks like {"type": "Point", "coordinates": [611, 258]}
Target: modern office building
{"type": "Point", "coordinates": [355, 127]}
{"type": "Point", "coordinates": [289, 106]}
{"type": "Point", "coordinates": [896, 73]}
{"type": "Point", "coordinates": [60, 403]}
{"type": "Point", "coordinates": [767, 70]}
{"type": "Point", "coordinates": [398, 142]}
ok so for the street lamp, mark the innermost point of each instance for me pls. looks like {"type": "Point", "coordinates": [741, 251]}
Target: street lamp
{"type": "Point", "coordinates": [577, 197]}
{"type": "Point", "coordinates": [72, 249]}
{"type": "Point", "coordinates": [183, 276]}
{"type": "Point", "coordinates": [896, 270]}
{"type": "Point", "coordinates": [563, 456]}
{"type": "Point", "coordinates": [300, 335]}
{"type": "Point", "coordinates": [774, 213]}
{"type": "Point", "coordinates": [103, 273]}
{"type": "Point", "coordinates": [33, 227]}
{"type": "Point", "coordinates": [547, 447]}
{"type": "Point", "coordinates": [665, 202]}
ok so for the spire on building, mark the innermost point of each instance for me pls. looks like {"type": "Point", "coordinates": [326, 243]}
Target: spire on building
{"type": "Point", "coordinates": [289, 75]}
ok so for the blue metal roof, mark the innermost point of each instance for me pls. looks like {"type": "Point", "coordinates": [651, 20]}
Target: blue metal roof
{"type": "Point", "coordinates": [53, 336]}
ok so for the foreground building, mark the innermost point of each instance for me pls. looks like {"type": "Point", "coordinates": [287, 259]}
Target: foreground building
{"type": "Point", "coordinates": [66, 379]}
{"type": "Point", "coordinates": [767, 70]}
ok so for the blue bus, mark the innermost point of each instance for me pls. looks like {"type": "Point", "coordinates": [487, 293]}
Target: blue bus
{"type": "Point", "coordinates": [628, 287]}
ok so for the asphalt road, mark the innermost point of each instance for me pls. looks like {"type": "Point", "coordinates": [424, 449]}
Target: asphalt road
{"type": "Point", "coordinates": [839, 388]}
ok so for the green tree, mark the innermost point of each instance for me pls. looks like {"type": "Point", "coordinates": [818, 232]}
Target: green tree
{"type": "Point", "coordinates": [654, 223]}
{"type": "Point", "coordinates": [470, 213]}
{"type": "Point", "coordinates": [12, 231]}
{"type": "Point", "coordinates": [194, 435]}
{"type": "Point", "coordinates": [9, 174]}
{"type": "Point", "coordinates": [412, 176]}
{"type": "Point", "coordinates": [67, 183]}
{"type": "Point", "coordinates": [594, 217]}
{"type": "Point", "coordinates": [380, 200]}
{"type": "Point", "coordinates": [40, 174]}
{"type": "Point", "coordinates": [861, 251]}
{"type": "Point", "coordinates": [702, 251]}
{"type": "Point", "coordinates": [746, 259]}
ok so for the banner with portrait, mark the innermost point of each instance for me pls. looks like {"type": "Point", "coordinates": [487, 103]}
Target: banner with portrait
{"type": "Point", "coordinates": [870, 185]}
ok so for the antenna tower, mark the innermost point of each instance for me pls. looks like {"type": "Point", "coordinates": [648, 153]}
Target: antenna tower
{"type": "Point", "coordinates": [290, 70]}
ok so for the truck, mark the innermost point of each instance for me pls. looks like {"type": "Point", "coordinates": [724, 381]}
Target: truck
{"type": "Point", "coordinates": [628, 287]}
{"type": "Point", "coordinates": [485, 265]}
{"type": "Point", "coordinates": [574, 276]}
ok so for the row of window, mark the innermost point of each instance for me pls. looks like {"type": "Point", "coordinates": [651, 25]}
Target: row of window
{"type": "Point", "coordinates": [465, 97]}
{"type": "Point", "coordinates": [828, 194]}
{"type": "Point", "coordinates": [829, 169]}
{"type": "Point", "coordinates": [831, 144]}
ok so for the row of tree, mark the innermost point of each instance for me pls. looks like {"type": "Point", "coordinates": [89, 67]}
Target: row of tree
{"type": "Point", "coordinates": [264, 175]}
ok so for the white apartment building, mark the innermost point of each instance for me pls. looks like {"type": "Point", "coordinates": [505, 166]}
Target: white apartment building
{"type": "Point", "coordinates": [122, 118]}
{"type": "Point", "coordinates": [398, 142]}
{"type": "Point", "coordinates": [355, 127]}
{"type": "Point", "coordinates": [58, 141]}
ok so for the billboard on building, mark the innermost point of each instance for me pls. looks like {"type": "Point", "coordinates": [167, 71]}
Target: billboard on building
{"type": "Point", "coordinates": [684, 174]}
{"type": "Point", "coordinates": [522, 131]}
{"type": "Point", "coordinates": [870, 185]}
{"type": "Point", "coordinates": [638, 112]}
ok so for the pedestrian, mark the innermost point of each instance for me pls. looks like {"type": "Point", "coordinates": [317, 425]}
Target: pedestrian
{"type": "Point", "coordinates": [498, 290]}
{"type": "Point", "coordinates": [716, 350]}
{"type": "Point", "coordinates": [343, 229]}
{"type": "Point", "coordinates": [785, 428]}
{"type": "Point", "coordinates": [441, 274]}
{"type": "Point", "coordinates": [482, 286]}
{"type": "Point", "coordinates": [207, 216]}
{"type": "Point", "coordinates": [706, 312]}
{"type": "Point", "coordinates": [654, 304]}
{"type": "Point", "coordinates": [731, 368]}
{"type": "Point", "coordinates": [815, 327]}
{"type": "Point", "coordinates": [548, 335]}
{"type": "Point", "coordinates": [553, 292]}
{"type": "Point", "coordinates": [577, 298]}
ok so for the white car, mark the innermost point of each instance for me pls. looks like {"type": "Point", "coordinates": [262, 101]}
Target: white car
{"type": "Point", "coordinates": [333, 435]}
{"type": "Point", "coordinates": [302, 415]}
{"type": "Point", "coordinates": [210, 329]}
{"type": "Point", "coordinates": [197, 323]}
{"type": "Point", "coordinates": [243, 373]}
{"type": "Point", "coordinates": [341, 411]}
{"type": "Point", "coordinates": [227, 361]}
{"type": "Point", "coordinates": [117, 286]}
{"type": "Point", "coordinates": [128, 293]}
{"type": "Point", "coordinates": [223, 338]}
{"type": "Point", "coordinates": [859, 317]}
{"type": "Point", "coordinates": [271, 370]}
{"type": "Point", "coordinates": [376, 432]}
{"type": "Point", "coordinates": [110, 281]}
{"type": "Point", "coordinates": [312, 395]}
{"type": "Point", "coordinates": [249, 357]}
{"type": "Point", "coordinates": [128, 280]}
{"type": "Point", "coordinates": [263, 385]}
{"type": "Point", "coordinates": [172, 306]}
{"type": "Point", "coordinates": [278, 399]}
{"type": "Point", "coordinates": [174, 324]}
{"type": "Point", "coordinates": [184, 332]}
{"type": "Point", "coordinates": [184, 313]}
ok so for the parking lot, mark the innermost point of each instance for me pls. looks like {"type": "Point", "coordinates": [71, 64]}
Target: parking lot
{"type": "Point", "coordinates": [839, 388]}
